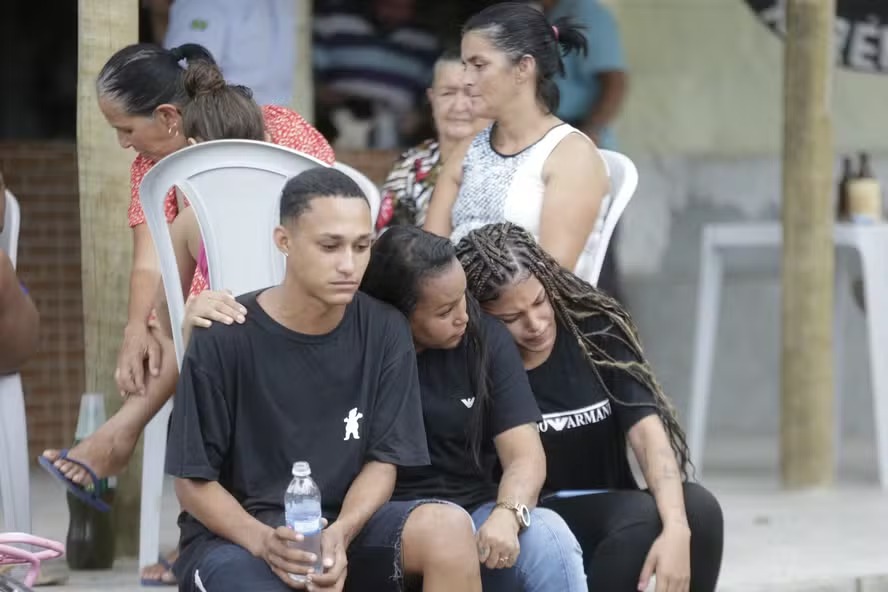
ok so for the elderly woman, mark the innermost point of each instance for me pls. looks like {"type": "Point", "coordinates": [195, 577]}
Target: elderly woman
{"type": "Point", "coordinates": [408, 188]}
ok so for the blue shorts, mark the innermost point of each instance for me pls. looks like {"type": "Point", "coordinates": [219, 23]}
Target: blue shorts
{"type": "Point", "coordinates": [374, 560]}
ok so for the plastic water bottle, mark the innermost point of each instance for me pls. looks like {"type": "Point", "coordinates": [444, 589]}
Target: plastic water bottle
{"type": "Point", "coordinates": [302, 507]}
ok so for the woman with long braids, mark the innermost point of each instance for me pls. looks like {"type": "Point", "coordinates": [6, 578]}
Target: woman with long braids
{"type": "Point", "coordinates": [479, 413]}
{"type": "Point", "coordinates": [596, 390]}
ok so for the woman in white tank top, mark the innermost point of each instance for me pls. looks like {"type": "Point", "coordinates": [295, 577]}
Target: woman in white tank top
{"type": "Point", "coordinates": [528, 167]}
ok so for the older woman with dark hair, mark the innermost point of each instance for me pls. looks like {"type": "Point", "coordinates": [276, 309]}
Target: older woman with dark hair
{"type": "Point", "coordinates": [528, 167]}
{"type": "Point", "coordinates": [141, 92]}
{"type": "Point", "coordinates": [148, 95]}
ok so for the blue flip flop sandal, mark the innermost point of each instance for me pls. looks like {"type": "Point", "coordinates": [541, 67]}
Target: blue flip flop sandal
{"type": "Point", "coordinates": [161, 561]}
{"type": "Point", "coordinates": [89, 494]}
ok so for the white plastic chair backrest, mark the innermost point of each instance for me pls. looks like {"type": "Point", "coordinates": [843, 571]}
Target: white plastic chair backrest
{"type": "Point", "coordinates": [623, 182]}
{"type": "Point", "coordinates": [367, 186]}
{"type": "Point", "coordinates": [234, 187]}
{"type": "Point", "coordinates": [11, 225]}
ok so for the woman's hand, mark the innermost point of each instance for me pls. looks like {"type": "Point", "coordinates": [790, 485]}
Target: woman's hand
{"type": "Point", "coordinates": [138, 347]}
{"type": "Point", "coordinates": [670, 560]}
{"type": "Point", "coordinates": [209, 306]}
{"type": "Point", "coordinates": [169, 369]}
{"type": "Point", "coordinates": [498, 545]}
{"type": "Point", "coordinates": [212, 305]}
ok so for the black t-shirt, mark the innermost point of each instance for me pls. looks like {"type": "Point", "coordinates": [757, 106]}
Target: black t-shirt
{"type": "Point", "coordinates": [583, 431]}
{"type": "Point", "coordinates": [254, 398]}
{"type": "Point", "coordinates": [447, 404]}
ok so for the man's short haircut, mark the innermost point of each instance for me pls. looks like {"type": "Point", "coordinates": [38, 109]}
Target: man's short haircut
{"type": "Point", "coordinates": [299, 191]}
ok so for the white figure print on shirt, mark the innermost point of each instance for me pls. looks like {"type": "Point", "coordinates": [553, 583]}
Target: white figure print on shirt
{"type": "Point", "coordinates": [351, 424]}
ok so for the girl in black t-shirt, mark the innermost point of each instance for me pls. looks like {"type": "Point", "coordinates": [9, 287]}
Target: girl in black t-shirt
{"type": "Point", "coordinates": [596, 391]}
{"type": "Point", "coordinates": [479, 414]}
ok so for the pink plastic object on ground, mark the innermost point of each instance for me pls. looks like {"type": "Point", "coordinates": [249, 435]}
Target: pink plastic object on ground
{"type": "Point", "coordinates": [10, 555]}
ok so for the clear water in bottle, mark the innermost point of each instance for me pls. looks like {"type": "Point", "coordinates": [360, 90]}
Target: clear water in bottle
{"type": "Point", "coordinates": [302, 508]}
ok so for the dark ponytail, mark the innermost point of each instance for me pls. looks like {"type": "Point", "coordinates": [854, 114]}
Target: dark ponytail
{"type": "Point", "coordinates": [518, 29]}
{"type": "Point", "coordinates": [203, 78]}
{"type": "Point", "coordinates": [570, 36]}
{"type": "Point", "coordinates": [217, 110]}
{"type": "Point", "coordinates": [142, 76]}
{"type": "Point", "coordinates": [191, 52]}
{"type": "Point", "coordinates": [400, 260]}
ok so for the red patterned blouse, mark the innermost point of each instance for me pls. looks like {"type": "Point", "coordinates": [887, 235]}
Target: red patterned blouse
{"type": "Point", "coordinates": [286, 128]}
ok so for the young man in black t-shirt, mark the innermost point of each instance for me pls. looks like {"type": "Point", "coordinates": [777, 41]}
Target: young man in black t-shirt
{"type": "Point", "coordinates": [320, 373]}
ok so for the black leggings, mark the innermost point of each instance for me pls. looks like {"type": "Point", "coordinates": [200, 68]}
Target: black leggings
{"type": "Point", "coordinates": [616, 530]}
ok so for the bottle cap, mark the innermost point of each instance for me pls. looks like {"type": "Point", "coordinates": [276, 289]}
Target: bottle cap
{"type": "Point", "coordinates": [301, 469]}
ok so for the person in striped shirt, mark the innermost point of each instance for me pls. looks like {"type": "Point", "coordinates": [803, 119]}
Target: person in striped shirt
{"type": "Point", "coordinates": [374, 65]}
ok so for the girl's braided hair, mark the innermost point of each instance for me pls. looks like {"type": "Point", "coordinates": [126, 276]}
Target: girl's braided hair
{"type": "Point", "coordinates": [497, 255]}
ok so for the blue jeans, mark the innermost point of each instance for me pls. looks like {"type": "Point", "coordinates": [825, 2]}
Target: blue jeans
{"type": "Point", "coordinates": [550, 557]}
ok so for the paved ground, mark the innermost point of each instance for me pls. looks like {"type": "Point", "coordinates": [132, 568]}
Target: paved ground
{"type": "Point", "coordinates": [825, 541]}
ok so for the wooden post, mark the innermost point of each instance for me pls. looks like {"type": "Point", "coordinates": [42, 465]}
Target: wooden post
{"type": "Point", "coordinates": [303, 80]}
{"type": "Point", "coordinates": [807, 457]}
{"type": "Point", "coordinates": [104, 26]}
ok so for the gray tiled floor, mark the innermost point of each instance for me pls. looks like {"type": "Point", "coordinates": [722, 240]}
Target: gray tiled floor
{"type": "Point", "coordinates": [775, 540]}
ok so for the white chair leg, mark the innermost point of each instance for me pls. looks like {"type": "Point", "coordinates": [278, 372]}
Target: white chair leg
{"type": "Point", "coordinates": [842, 291]}
{"type": "Point", "coordinates": [875, 286]}
{"type": "Point", "coordinates": [708, 305]}
{"type": "Point", "coordinates": [15, 485]}
{"type": "Point", "coordinates": [154, 452]}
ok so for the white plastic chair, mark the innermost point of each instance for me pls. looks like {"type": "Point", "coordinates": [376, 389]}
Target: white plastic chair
{"type": "Point", "coordinates": [623, 182]}
{"type": "Point", "coordinates": [756, 246]}
{"type": "Point", "coordinates": [37, 550]}
{"type": "Point", "coordinates": [11, 227]}
{"type": "Point", "coordinates": [14, 478]}
{"type": "Point", "coordinates": [367, 186]}
{"type": "Point", "coordinates": [234, 187]}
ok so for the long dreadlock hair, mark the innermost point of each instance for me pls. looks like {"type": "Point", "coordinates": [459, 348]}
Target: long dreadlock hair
{"type": "Point", "coordinates": [497, 255]}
